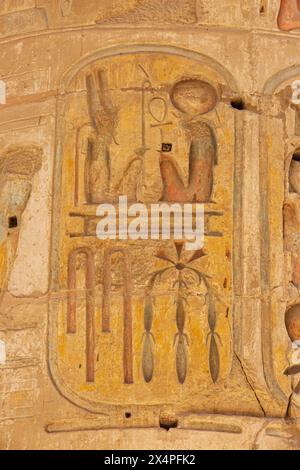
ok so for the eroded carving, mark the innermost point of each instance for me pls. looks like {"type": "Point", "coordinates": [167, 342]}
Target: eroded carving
{"type": "Point", "coordinates": [66, 7]}
{"type": "Point", "coordinates": [103, 117]}
{"type": "Point", "coordinates": [26, 21]}
{"type": "Point", "coordinates": [18, 165]}
{"type": "Point", "coordinates": [153, 11]}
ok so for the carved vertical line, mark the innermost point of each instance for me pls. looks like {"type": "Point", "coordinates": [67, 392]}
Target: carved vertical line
{"type": "Point", "coordinates": [90, 311]}
{"type": "Point", "coordinates": [103, 90]}
{"type": "Point", "coordinates": [92, 98]}
{"type": "Point", "coordinates": [297, 122]}
{"type": "Point", "coordinates": [89, 157]}
{"type": "Point", "coordinates": [266, 306]}
{"type": "Point", "coordinates": [71, 308]}
{"type": "Point", "coordinates": [77, 162]}
{"type": "Point", "coordinates": [128, 353]}
{"type": "Point", "coordinates": [76, 169]}
{"type": "Point", "coordinates": [238, 280]}
{"type": "Point", "coordinates": [106, 293]}
{"type": "Point", "coordinates": [127, 307]}
{"type": "Point", "coordinates": [90, 306]}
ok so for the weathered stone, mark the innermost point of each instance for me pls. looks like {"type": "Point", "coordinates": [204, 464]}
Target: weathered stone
{"type": "Point", "coordinates": [22, 21]}
{"type": "Point", "coordinates": [180, 101]}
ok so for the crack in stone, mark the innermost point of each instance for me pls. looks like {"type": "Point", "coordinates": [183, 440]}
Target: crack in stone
{"type": "Point", "coordinates": [250, 385]}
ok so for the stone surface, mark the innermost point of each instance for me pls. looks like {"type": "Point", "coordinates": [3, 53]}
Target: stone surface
{"type": "Point", "coordinates": [108, 342]}
{"type": "Point", "coordinates": [26, 21]}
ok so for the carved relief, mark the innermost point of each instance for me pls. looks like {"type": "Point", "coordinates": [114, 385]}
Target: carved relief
{"type": "Point", "coordinates": [66, 7]}
{"type": "Point", "coordinates": [103, 120]}
{"type": "Point", "coordinates": [148, 340]}
{"type": "Point", "coordinates": [152, 11]}
{"type": "Point", "coordinates": [292, 322]}
{"type": "Point", "coordinates": [89, 307]}
{"type": "Point", "coordinates": [33, 19]}
{"type": "Point", "coordinates": [127, 306]}
{"type": "Point", "coordinates": [294, 174]}
{"type": "Point", "coordinates": [161, 315]}
{"type": "Point", "coordinates": [291, 231]}
{"type": "Point", "coordinates": [191, 99]}
{"type": "Point", "coordinates": [114, 12]}
{"type": "Point", "coordinates": [181, 339]}
{"type": "Point", "coordinates": [284, 265]}
{"type": "Point", "coordinates": [292, 218]}
{"type": "Point", "coordinates": [289, 15]}
{"type": "Point", "coordinates": [144, 333]}
{"type": "Point", "coordinates": [291, 213]}
{"type": "Point", "coordinates": [18, 165]}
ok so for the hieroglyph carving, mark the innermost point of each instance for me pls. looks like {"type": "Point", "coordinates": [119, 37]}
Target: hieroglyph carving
{"type": "Point", "coordinates": [18, 165]}
{"type": "Point", "coordinates": [66, 7]}
{"type": "Point", "coordinates": [289, 15]}
{"type": "Point", "coordinates": [150, 11]}
{"type": "Point", "coordinates": [192, 98]}
{"type": "Point", "coordinates": [291, 219]}
{"type": "Point", "coordinates": [143, 318]}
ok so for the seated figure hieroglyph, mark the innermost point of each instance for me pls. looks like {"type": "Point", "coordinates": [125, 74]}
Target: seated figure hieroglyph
{"type": "Point", "coordinates": [177, 153]}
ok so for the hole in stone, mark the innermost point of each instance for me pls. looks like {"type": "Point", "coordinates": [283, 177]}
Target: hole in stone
{"type": "Point", "coordinates": [263, 7]}
{"type": "Point", "coordinates": [168, 422]}
{"type": "Point", "coordinates": [238, 104]}
{"type": "Point", "coordinates": [12, 222]}
{"type": "Point", "coordinates": [80, 366]}
{"type": "Point", "coordinates": [296, 156]}
{"type": "Point", "coordinates": [127, 415]}
{"type": "Point", "coordinates": [166, 148]}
